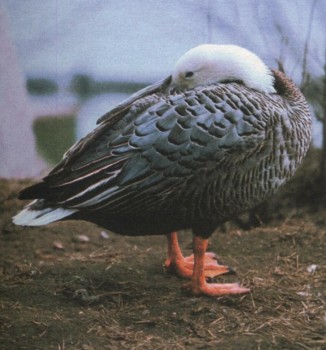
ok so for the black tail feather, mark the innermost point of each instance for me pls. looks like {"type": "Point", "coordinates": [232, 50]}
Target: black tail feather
{"type": "Point", "coordinates": [37, 191]}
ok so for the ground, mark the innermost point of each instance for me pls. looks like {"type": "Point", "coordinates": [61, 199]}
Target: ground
{"type": "Point", "coordinates": [73, 285]}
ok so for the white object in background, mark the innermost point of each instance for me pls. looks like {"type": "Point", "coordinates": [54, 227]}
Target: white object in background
{"type": "Point", "coordinates": [18, 156]}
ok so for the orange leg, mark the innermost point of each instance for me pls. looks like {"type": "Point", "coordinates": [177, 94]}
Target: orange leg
{"type": "Point", "coordinates": [198, 284]}
{"type": "Point", "coordinates": [184, 266]}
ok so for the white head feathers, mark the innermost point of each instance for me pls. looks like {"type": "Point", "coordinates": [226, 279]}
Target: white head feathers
{"type": "Point", "coordinates": [208, 64]}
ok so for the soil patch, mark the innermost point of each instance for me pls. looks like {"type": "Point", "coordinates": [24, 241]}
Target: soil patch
{"type": "Point", "coordinates": [73, 285]}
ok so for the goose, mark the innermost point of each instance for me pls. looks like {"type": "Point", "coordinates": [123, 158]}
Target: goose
{"type": "Point", "coordinates": [219, 135]}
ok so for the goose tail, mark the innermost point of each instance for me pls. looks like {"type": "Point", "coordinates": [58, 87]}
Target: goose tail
{"type": "Point", "coordinates": [38, 214]}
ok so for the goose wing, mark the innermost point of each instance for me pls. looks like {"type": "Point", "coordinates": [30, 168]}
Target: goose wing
{"type": "Point", "coordinates": [156, 148]}
{"type": "Point", "coordinates": [115, 113]}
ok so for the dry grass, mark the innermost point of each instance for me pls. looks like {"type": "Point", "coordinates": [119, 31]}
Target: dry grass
{"type": "Point", "coordinates": [60, 292]}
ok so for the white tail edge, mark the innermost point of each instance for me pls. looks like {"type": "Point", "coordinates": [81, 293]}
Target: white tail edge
{"type": "Point", "coordinates": [38, 217]}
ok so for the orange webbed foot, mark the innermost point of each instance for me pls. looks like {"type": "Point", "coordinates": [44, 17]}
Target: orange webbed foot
{"type": "Point", "coordinates": [183, 266]}
{"type": "Point", "coordinates": [215, 289]}
{"type": "Point", "coordinates": [199, 285]}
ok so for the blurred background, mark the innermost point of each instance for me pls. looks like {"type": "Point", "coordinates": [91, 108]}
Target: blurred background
{"type": "Point", "coordinates": [65, 63]}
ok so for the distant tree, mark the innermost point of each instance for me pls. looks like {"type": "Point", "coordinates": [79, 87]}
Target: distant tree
{"type": "Point", "coordinates": [314, 89]}
{"type": "Point", "coordinates": [316, 95]}
{"type": "Point", "coordinates": [82, 85]}
{"type": "Point", "coordinates": [323, 119]}
{"type": "Point", "coordinates": [315, 92]}
{"type": "Point", "coordinates": [41, 86]}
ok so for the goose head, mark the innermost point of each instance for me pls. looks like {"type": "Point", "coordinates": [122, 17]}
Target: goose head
{"type": "Point", "coordinates": [210, 64]}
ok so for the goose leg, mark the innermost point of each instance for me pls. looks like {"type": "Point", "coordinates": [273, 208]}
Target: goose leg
{"type": "Point", "coordinates": [198, 284]}
{"type": "Point", "coordinates": [184, 266]}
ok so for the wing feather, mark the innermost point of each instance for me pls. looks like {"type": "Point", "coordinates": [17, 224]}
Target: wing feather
{"type": "Point", "coordinates": [155, 147]}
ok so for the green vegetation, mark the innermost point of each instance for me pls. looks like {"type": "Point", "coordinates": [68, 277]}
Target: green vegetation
{"type": "Point", "coordinates": [54, 135]}
{"type": "Point", "coordinates": [85, 86]}
{"type": "Point", "coordinates": [41, 86]}
{"type": "Point", "coordinates": [82, 85]}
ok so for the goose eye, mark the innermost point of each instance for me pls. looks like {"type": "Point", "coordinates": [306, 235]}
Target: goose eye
{"type": "Point", "coordinates": [189, 74]}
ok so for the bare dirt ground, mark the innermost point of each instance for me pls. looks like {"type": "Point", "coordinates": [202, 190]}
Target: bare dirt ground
{"type": "Point", "coordinates": [71, 286]}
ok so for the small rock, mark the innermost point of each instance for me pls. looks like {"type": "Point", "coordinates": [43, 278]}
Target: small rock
{"type": "Point", "coordinates": [312, 268]}
{"type": "Point", "coordinates": [83, 238]}
{"type": "Point", "coordinates": [58, 245]}
{"type": "Point", "coordinates": [104, 235]}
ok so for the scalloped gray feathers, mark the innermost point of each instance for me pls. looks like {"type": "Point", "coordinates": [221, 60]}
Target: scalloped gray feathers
{"type": "Point", "coordinates": [165, 160]}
